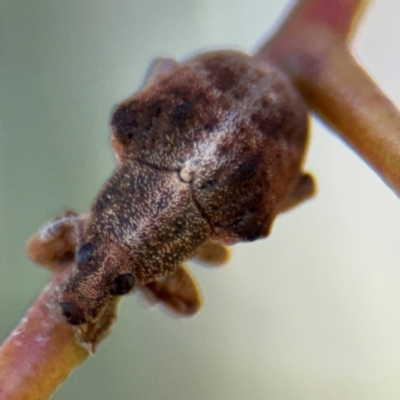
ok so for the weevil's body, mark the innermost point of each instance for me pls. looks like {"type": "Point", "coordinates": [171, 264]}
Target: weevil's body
{"type": "Point", "coordinates": [210, 149]}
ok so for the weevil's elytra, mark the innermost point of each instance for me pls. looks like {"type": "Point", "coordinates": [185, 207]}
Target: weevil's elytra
{"type": "Point", "coordinates": [209, 151]}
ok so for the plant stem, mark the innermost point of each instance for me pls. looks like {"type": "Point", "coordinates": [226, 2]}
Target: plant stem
{"type": "Point", "coordinates": [311, 46]}
{"type": "Point", "coordinates": [41, 352]}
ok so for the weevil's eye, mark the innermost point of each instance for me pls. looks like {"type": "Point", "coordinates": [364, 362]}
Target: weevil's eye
{"type": "Point", "coordinates": [72, 313]}
{"type": "Point", "coordinates": [122, 284]}
{"type": "Point", "coordinates": [84, 254]}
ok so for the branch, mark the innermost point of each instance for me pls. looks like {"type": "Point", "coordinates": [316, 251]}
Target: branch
{"type": "Point", "coordinates": [42, 350]}
{"type": "Point", "coordinates": [312, 48]}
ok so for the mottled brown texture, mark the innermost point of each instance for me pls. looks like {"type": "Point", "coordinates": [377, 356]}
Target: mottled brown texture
{"type": "Point", "coordinates": [143, 222]}
{"type": "Point", "coordinates": [230, 123]}
{"type": "Point", "coordinates": [209, 150]}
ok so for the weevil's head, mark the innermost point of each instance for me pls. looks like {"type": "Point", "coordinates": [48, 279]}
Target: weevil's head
{"type": "Point", "coordinates": [101, 273]}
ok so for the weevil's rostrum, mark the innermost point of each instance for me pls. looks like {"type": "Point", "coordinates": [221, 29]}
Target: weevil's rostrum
{"type": "Point", "coordinates": [209, 150]}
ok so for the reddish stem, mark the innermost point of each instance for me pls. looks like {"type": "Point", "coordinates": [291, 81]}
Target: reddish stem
{"type": "Point", "coordinates": [41, 352]}
{"type": "Point", "coordinates": [311, 46]}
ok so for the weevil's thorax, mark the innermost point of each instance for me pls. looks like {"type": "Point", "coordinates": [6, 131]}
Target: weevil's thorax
{"type": "Point", "coordinates": [149, 214]}
{"type": "Point", "coordinates": [143, 222]}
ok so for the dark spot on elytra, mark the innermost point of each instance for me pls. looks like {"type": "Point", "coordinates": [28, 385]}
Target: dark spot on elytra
{"type": "Point", "coordinates": [240, 93]}
{"type": "Point", "coordinates": [248, 168]}
{"type": "Point", "coordinates": [226, 71]}
{"type": "Point", "coordinates": [153, 112]}
{"type": "Point", "coordinates": [278, 124]}
{"type": "Point", "coordinates": [264, 123]}
{"type": "Point", "coordinates": [155, 109]}
{"type": "Point", "coordinates": [225, 79]}
{"type": "Point", "coordinates": [265, 104]}
{"type": "Point", "coordinates": [124, 121]}
{"type": "Point", "coordinates": [183, 111]}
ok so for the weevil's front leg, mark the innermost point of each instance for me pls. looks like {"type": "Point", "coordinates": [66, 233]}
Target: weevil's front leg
{"type": "Point", "coordinates": [177, 292]}
{"type": "Point", "coordinates": [54, 245]}
{"type": "Point", "coordinates": [212, 254]}
{"type": "Point", "coordinates": [304, 189]}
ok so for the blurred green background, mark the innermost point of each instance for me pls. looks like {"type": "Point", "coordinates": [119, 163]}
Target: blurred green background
{"type": "Point", "coordinates": [310, 313]}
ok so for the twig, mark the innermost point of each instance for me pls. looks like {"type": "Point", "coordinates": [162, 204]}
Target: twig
{"type": "Point", "coordinates": [42, 351]}
{"type": "Point", "coordinates": [312, 47]}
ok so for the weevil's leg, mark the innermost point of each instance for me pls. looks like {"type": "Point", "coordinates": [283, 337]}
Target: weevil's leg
{"type": "Point", "coordinates": [158, 68]}
{"type": "Point", "coordinates": [305, 189]}
{"type": "Point", "coordinates": [177, 292]}
{"type": "Point", "coordinates": [212, 254]}
{"type": "Point", "coordinates": [55, 244]}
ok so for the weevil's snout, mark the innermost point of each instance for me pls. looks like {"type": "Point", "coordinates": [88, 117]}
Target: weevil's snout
{"type": "Point", "coordinates": [92, 287]}
{"type": "Point", "coordinates": [72, 312]}
{"type": "Point", "coordinates": [93, 301]}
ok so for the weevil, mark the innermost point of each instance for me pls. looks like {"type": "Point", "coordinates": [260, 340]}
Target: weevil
{"type": "Point", "coordinates": [209, 152]}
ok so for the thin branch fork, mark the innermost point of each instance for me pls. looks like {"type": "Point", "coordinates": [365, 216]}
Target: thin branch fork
{"type": "Point", "coordinates": [312, 48]}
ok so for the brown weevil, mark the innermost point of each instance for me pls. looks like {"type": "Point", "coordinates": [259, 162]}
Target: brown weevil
{"type": "Point", "coordinates": [209, 152]}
